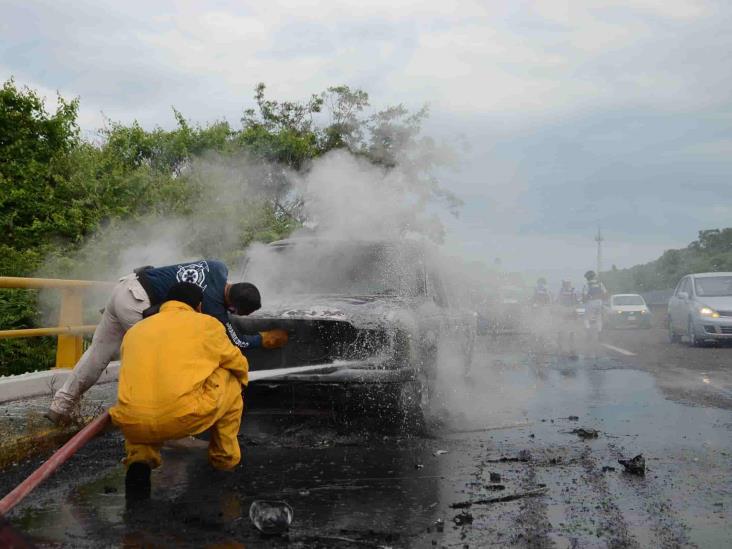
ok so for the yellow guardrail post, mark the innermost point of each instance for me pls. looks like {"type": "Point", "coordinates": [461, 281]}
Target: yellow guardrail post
{"type": "Point", "coordinates": [70, 345]}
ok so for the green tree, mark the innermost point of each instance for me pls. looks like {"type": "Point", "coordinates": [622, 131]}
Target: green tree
{"type": "Point", "coordinates": [35, 168]}
{"type": "Point", "coordinates": [38, 207]}
{"type": "Point", "coordinates": [288, 133]}
{"type": "Point", "coordinates": [710, 252]}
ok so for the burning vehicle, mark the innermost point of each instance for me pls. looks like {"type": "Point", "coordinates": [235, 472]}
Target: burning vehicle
{"type": "Point", "coordinates": [366, 317]}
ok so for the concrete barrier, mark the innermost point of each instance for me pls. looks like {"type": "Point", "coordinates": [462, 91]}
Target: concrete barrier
{"type": "Point", "coordinates": [35, 384]}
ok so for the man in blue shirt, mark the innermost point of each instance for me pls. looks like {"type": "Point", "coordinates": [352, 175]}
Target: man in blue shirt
{"type": "Point", "coordinates": [139, 295]}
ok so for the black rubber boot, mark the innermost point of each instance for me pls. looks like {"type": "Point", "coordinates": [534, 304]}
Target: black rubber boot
{"type": "Point", "coordinates": [137, 482]}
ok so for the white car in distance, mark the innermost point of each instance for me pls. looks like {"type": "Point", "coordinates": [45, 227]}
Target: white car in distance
{"type": "Point", "coordinates": [627, 311]}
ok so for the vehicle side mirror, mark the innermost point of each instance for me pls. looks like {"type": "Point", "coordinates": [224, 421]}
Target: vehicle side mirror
{"type": "Point", "coordinates": [683, 295]}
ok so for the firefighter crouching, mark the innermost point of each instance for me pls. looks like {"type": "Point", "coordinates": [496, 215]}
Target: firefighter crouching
{"type": "Point", "coordinates": [180, 375]}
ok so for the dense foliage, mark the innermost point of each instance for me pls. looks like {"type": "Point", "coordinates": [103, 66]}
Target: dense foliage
{"type": "Point", "coordinates": [712, 251]}
{"type": "Point", "coordinates": [59, 193]}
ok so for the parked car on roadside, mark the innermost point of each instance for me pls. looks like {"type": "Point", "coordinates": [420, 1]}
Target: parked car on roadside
{"type": "Point", "coordinates": [701, 308]}
{"type": "Point", "coordinates": [626, 311]}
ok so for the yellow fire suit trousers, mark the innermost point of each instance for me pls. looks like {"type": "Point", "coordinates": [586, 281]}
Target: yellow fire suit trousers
{"type": "Point", "coordinates": [217, 406]}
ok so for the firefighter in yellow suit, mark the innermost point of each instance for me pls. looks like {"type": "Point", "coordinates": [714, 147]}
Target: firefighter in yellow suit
{"type": "Point", "coordinates": [180, 375]}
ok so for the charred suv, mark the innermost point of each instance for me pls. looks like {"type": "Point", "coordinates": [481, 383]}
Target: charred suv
{"type": "Point", "coordinates": [363, 317]}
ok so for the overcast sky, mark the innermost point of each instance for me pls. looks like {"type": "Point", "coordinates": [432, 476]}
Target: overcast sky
{"type": "Point", "coordinates": [578, 112]}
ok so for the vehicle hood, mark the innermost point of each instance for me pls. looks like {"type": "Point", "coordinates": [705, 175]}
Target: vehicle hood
{"type": "Point", "coordinates": [717, 303]}
{"type": "Point", "coordinates": [360, 311]}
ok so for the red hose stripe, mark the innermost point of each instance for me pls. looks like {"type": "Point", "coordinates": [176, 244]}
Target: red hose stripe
{"type": "Point", "coordinates": [53, 463]}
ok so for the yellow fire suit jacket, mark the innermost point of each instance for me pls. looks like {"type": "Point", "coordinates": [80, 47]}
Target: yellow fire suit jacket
{"type": "Point", "coordinates": [166, 361]}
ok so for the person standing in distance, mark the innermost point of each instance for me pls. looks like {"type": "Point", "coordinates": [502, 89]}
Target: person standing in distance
{"type": "Point", "coordinates": [593, 294]}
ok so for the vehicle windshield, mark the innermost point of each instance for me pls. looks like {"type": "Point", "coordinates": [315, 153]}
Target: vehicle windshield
{"type": "Point", "coordinates": [354, 269]}
{"type": "Point", "coordinates": [713, 286]}
{"type": "Point", "coordinates": [622, 300]}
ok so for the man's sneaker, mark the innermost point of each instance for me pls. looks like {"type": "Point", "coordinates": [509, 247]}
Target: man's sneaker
{"type": "Point", "coordinates": [59, 420]}
{"type": "Point", "coordinates": [137, 481]}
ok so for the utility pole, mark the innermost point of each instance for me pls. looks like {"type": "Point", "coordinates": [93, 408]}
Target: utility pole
{"type": "Point", "coordinates": [599, 239]}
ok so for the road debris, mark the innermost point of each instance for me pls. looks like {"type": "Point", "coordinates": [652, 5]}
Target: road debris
{"type": "Point", "coordinates": [495, 477]}
{"type": "Point", "coordinates": [522, 457]}
{"type": "Point", "coordinates": [498, 499]}
{"type": "Point", "coordinates": [271, 517]}
{"type": "Point", "coordinates": [634, 466]}
{"type": "Point", "coordinates": [463, 518]}
{"type": "Point", "coordinates": [439, 453]}
{"type": "Point", "coordinates": [585, 433]}
{"type": "Point", "coordinates": [495, 487]}
{"type": "Point", "coordinates": [607, 468]}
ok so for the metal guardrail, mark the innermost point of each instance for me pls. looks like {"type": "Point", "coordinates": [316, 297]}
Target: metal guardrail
{"type": "Point", "coordinates": [70, 345]}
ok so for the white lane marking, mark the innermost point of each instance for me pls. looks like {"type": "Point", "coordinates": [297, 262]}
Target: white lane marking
{"type": "Point", "coordinates": [617, 349]}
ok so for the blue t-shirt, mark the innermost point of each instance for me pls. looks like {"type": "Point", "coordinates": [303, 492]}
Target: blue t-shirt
{"type": "Point", "coordinates": [211, 276]}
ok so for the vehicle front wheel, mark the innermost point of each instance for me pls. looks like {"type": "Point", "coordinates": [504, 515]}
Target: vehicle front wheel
{"type": "Point", "coordinates": [673, 337]}
{"type": "Point", "coordinates": [692, 340]}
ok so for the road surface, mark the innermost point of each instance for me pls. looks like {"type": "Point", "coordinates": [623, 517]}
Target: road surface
{"type": "Point", "coordinates": [509, 431]}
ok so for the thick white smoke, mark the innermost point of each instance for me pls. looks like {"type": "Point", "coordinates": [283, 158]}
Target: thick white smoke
{"type": "Point", "coordinates": [350, 198]}
{"type": "Point", "coordinates": [344, 198]}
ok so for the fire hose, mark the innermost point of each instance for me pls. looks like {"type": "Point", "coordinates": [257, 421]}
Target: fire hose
{"type": "Point", "coordinates": [54, 462]}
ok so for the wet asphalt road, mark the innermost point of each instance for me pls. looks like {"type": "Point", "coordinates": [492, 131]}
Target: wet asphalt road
{"type": "Point", "coordinates": [513, 419]}
{"type": "Point", "coordinates": [700, 375]}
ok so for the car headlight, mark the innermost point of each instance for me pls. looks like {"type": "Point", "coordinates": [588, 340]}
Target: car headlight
{"type": "Point", "coordinates": [619, 312]}
{"type": "Point", "coordinates": [706, 311]}
{"type": "Point", "coordinates": [644, 311]}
